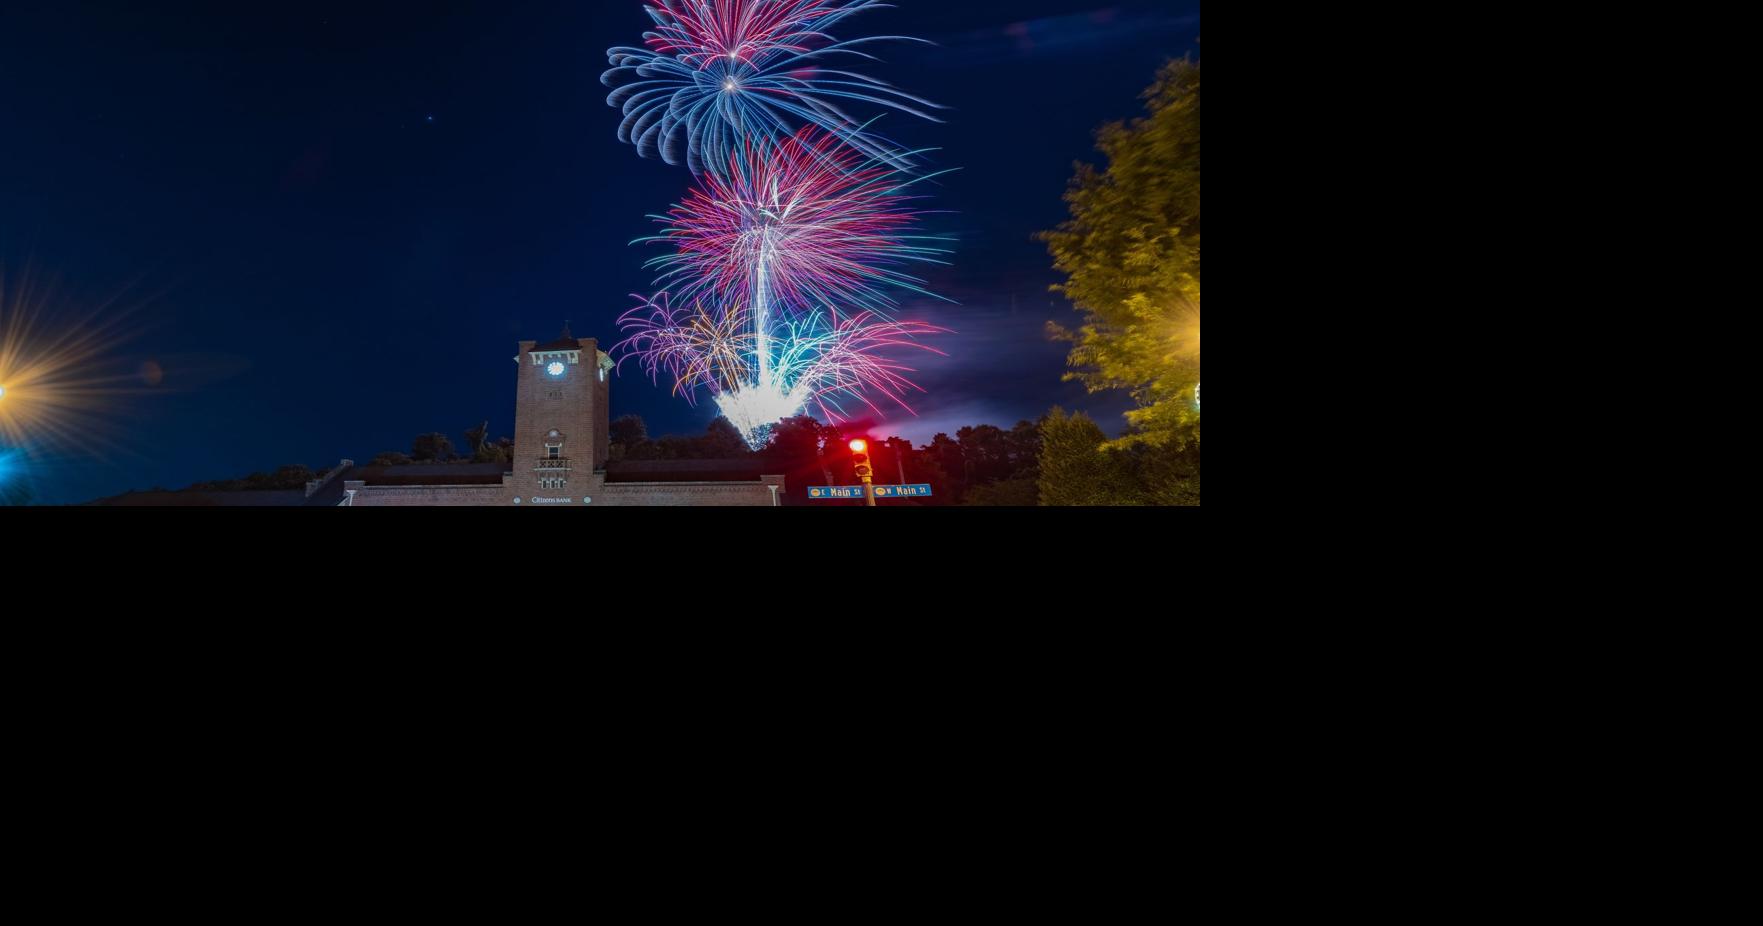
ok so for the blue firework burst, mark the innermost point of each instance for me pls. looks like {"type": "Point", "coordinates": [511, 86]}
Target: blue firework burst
{"type": "Point", "coordinates": [720, 74]}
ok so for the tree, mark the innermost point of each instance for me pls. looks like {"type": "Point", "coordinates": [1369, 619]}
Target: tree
{"type": "Point", "coordinates": [949, 457]}
{"type": "Point", "coordinates": [1010, 493]}
{"type": "Point", "coordinates": [628, 431]}
{"type": "Point", "coordinates": [1075, 470]}
{"type": "Point", "coordinates": [283, 479]}
{"type": "Point", "coordinates": [477, 438]}
{"type": "Point", "coordinates": [794, 451]}
{"type": "Point", "coordinates": [630, 441]}
{"type": "Point", "coordinates": [287, 477]}
{"type": "Point", "coordinates": [1168, 475]}
{"type": "Point", "coordinates": [794, 441]}
{"type": "Point", "coordinates": [431, 448]}
{"type": "Point", "coordinates": [986, 452]}
{"type": "Point", "coordinates": [891, 459]}
{"type": "Point", "coordinates": [722, 441]}
{"type": "Point", "coordinates": [392, 458]}
{"type": "Point", "coordinates": [1024, 443]}
{"type": "Point", "coordinates": [484, 450]}
{"type": "Point", "coordinates": [1131, 255]}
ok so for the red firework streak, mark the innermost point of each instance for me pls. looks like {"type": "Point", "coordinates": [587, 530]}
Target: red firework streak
{"type": "Point", "coordinates": [805, 224]}
{"type": "Point", "coordinates": [699, 32]}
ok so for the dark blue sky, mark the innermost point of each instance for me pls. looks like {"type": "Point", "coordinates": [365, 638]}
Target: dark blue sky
{"type": "Point", "coordinates": [322, 271]}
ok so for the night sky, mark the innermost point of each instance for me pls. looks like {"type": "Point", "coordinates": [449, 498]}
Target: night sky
{"type": "Point", "coordinates": [329, 224]}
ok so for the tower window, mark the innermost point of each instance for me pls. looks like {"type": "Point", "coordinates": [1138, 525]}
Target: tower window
{"type": "Point", "coordinates": [554, 451]}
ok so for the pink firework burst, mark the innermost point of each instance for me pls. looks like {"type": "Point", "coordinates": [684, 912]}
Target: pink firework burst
{"type": "Point", "coordinates": [829, 362]}
{"type": "Point", "coordinates": [702, 32]}
{"type": "Point", "coordinates": [696, 348]}
{"type": "Point", "coordinates": [804, 224]}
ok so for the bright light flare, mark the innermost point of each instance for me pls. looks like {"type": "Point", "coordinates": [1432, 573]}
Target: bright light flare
{"type": "Point", "coordinates": [62, 390]}
{"type": "Point", "coordinates": [860, 446]}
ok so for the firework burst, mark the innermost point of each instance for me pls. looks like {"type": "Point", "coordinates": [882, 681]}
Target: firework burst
{"type": "Point", "coordinates": [789, 229]}
{"type": "Point", "coordinates": [808, 222]}
{"type": "Point", "coordinates": [697, 349]}
{"type": "Point", "coordinates": [720, 74]}
{"type": "Point", "coordinates": [782, 260]}
{"type": "Point", "coordinates": [702, 32]}
{"type": "Point", "coordinates": [830, 362]}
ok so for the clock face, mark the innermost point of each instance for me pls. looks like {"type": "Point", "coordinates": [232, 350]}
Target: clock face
{"type": "Point", "coordinates": [556, 369]}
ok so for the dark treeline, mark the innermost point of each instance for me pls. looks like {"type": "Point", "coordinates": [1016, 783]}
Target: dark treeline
{"type": "Point", "coordinates": [1054, 461]}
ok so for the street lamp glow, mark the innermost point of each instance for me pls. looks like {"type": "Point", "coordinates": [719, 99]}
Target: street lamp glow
{"type": "Point", "coordinates": [860, 446]}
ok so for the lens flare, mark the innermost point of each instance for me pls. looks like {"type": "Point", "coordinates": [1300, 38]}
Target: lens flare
{"type": "Point", "coordinates": [62, 392]}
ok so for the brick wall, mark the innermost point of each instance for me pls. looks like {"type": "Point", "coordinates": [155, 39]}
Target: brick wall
{"type": "Point", "coordinates": [427, 496]}
{"type": "Point", "coordinates": [619, 495]}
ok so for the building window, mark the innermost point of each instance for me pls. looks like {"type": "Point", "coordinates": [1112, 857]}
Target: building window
{"type": "Point", "coordinates": [554, 451]}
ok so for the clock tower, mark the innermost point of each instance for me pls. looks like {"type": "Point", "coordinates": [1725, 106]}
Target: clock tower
{"type": "Point", "coordinates": [561, 419]}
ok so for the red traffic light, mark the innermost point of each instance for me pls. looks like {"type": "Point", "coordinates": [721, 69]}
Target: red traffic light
{"type": "Point", "coordinates": [860, 446]}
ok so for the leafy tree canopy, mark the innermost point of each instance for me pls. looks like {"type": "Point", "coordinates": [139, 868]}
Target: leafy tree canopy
{"type": "Point", "coordinates": [431, 448]}
{"type": "Point", "coordinates": [1131, 255]}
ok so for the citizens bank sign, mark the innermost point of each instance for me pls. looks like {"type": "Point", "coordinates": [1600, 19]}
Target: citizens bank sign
{"type": "Point", "coordinates": [555, 501]}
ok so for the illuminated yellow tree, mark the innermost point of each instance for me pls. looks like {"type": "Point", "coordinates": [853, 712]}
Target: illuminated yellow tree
{"type": "Point", "coordinates": [1131, 254]}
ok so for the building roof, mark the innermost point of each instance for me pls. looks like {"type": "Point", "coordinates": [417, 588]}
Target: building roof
{"type": "Point", "coordinates": [563, 344]}
{"type": "Point", "coordinates": [429, 474]}
{"type": "Point", "coordinates": [292, 498]}
{"type": "Point", "coordinates": [750, 470]}
{"type": "Point", "coordinates": [328, 495]}
{"type": "Point", "coordinates": [565, 341]}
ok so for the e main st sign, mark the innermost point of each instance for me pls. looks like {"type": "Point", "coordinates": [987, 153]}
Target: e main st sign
{"type": "Point", "coordinates": [835, 493]}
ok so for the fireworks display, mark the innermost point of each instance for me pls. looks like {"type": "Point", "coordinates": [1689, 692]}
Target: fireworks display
{"type": "Point", "coordinates": [825, 225]}
{"type": "Point", "coordinates": [702, 32]}
{"type": "Point", "coordinates": [832, 363]}
{"type": "Point", "coordinates": [718, 75]}
{"type": "Point", "coordinates": [776, 291]}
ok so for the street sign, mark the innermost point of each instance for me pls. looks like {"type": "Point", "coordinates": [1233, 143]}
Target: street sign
{"type": "Point", "coordinates": [920, 491]}
{"type": "Point", "coordinates": [831, 493]}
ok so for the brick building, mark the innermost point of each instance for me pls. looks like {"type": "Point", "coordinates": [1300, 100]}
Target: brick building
{"type": "Point", "coordinates": [561, 421]}
{"type": "Point", "coordinates": [561, 446]}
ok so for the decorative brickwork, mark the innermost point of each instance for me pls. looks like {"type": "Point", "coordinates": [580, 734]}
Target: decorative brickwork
{"type": "Point", "coordinates": [561, 444]}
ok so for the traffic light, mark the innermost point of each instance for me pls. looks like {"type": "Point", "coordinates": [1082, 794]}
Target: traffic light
{"type": "Point", "coordinates": [860, 457]}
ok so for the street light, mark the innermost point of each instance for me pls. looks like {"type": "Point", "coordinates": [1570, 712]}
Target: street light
{"type": "Point", "coordinates": [865, 472]}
